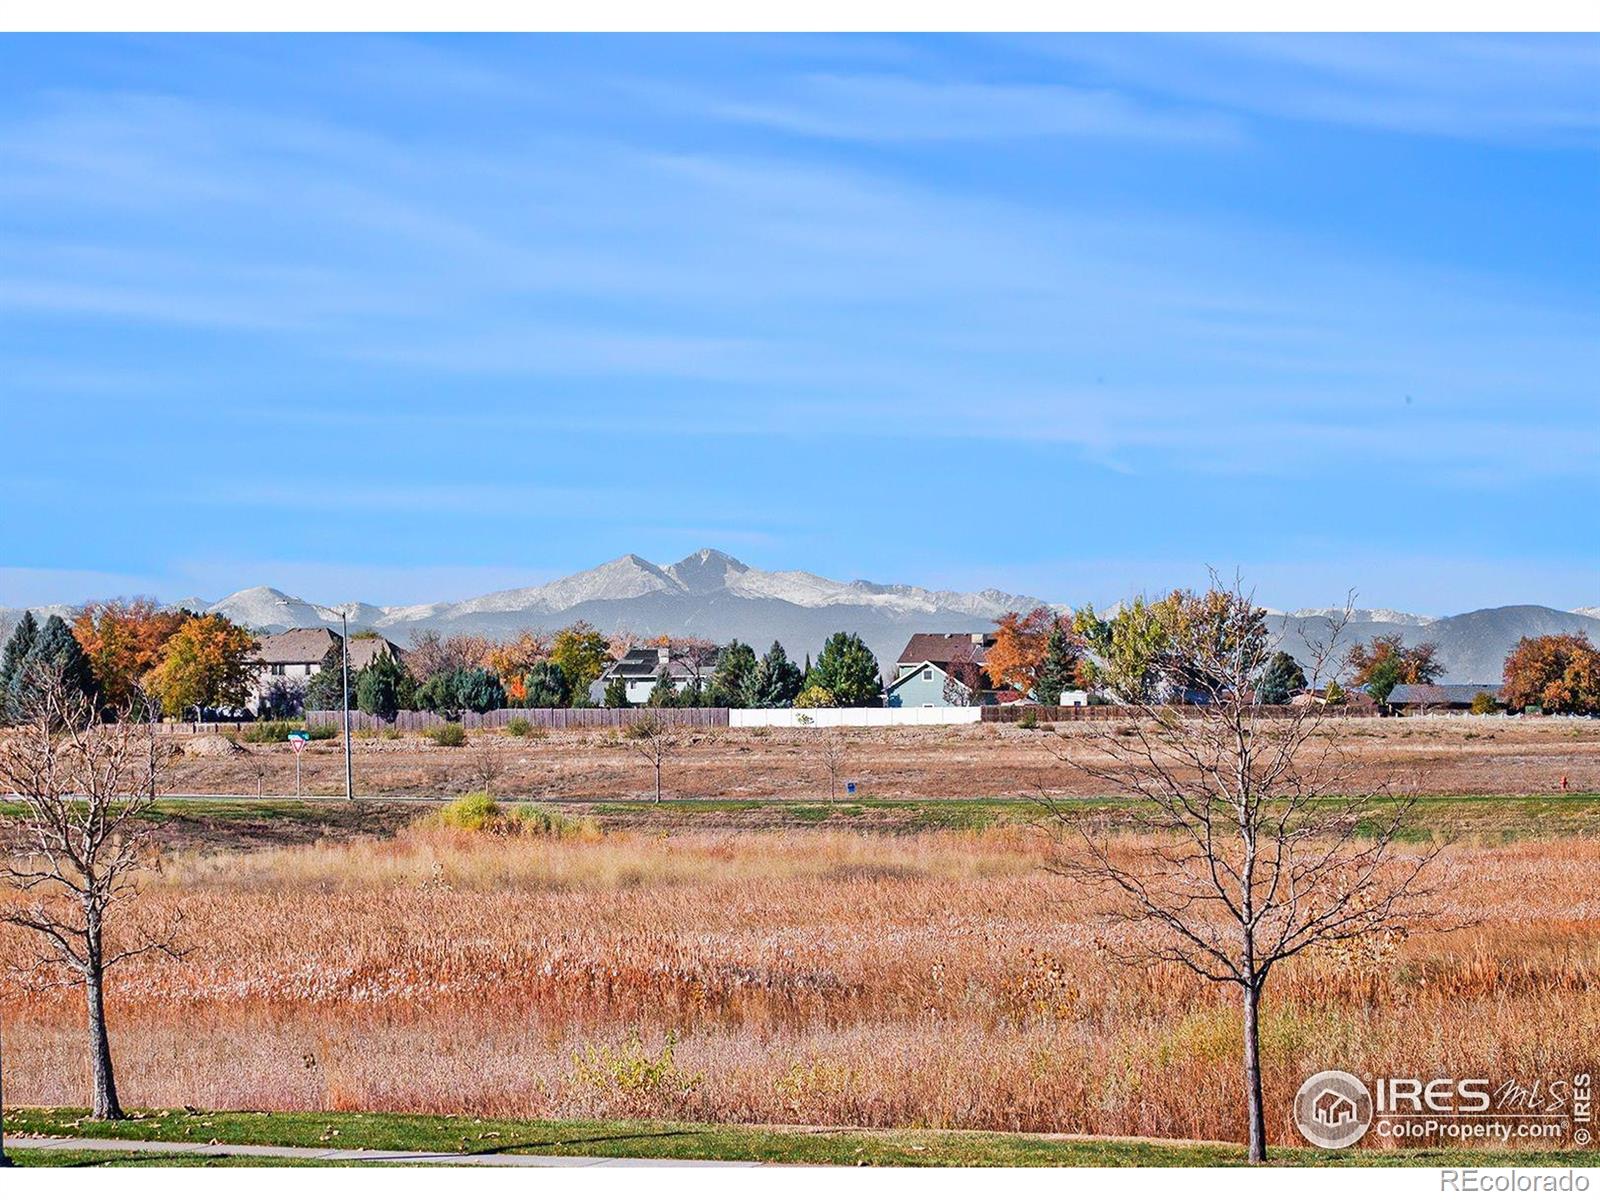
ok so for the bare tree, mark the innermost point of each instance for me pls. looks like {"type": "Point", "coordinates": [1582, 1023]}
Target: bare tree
{"type": "Point", "coordinates": [85, 788]}
{"type": "Point", "coordinates": [655, 741]}
{"type": "Point", "coordinates": [1260, 844]}
{"type": "Point", "coordinates": [964, 678]}
{"type": "Point", "coordinates": [487, 765]}
{"type": "Point", "coordinates": [833, 752]}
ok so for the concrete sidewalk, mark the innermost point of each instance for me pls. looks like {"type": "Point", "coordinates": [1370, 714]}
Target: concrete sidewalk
{"type": "Point", "coordinates": [393, 1157]}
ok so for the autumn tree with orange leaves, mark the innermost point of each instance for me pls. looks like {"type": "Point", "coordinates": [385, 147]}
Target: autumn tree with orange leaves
{"type": "Point", "coordinates": [1559, 672]}
{"type": "Point", "coordinates": [1020, 643]}
{"type": "Point", "coordinates": [208, 663]}
{"type": "Point", "coordinates": [124, 641]}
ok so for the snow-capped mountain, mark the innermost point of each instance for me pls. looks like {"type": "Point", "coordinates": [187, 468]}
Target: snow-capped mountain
{"type": "Point", "coordinates": [713, 595]}
{"type": "Point", "coordinates": [708, 594]}
{"type": "Point", "coordinates": [1367, 616]}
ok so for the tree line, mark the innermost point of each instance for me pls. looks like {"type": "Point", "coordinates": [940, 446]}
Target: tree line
{"type": "Point", "coordinates": [135, 655]}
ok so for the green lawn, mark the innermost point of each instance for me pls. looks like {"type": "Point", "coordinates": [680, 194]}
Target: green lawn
{"type": "Point", "coordinates": [655, 1139]}
{"type": "Point", "coordinates": [1465, 818]}
{"type": "Point", "coordinates": [133, 1158]}
{"type": "Point", "coordinates": [1469, 818]}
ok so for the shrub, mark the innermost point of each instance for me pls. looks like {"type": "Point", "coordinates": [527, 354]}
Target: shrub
{"type": "Point", "coordinates": [629, 1079]}
{"type": "Point", "coordinates": [519, 727]}
{"type": "Point", "coordinates": [1028, 720]}
{"type": "Point", "coordinates": [815, 696]}
{"type": "Point", "coordinates": [1483, 704]}
{"type": "Point", "coordinates": [266, 732]}
{"type": "Point", "coordinates": [448, 734]}
{"type": "Point", "coordinates": [474, 812]}
{"type": "Point", "coordinates": [538, 820]}
{"type": "Point", "coordinates": [644, 728]}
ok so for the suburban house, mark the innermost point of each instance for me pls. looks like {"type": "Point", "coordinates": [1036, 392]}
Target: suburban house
{"type": "Point", "coordinates": [640, 668]}
{"type": "Point", "coordinates": [931, 660]}
{"type": "Point", "coordinates": [297, 654]}
{"type": "Point", "coordinates": [1355, 700]}
{"type": "Point", "coordinates": [1439, 697]}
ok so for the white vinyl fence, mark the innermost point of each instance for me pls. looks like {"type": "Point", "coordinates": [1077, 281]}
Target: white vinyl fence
{"type": "Point", "coordinates": [813, 718]}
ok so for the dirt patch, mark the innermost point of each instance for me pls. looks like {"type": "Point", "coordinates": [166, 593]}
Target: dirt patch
{"type": "Point", "coordinates": [1436, 756]}
{"type": "Point", "coordinates": [211, 745]}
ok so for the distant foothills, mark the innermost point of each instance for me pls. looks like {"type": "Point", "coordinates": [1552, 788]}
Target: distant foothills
{"type": "Point", "coordinates": [713, 596]}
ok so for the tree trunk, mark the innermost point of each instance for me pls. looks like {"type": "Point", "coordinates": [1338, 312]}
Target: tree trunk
{"type": "Point", "coordinates": [658, 783]}
{"type": "Point", "coordinates": [105, 1106]}
{"type": "Point", "coordinates": [4, 1161]}
{"type": "Point", "coordinates": [1257, 1139]}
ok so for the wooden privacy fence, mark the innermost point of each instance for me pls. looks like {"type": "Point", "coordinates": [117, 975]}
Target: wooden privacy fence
{"type": "Point", "coordinates": [546, 718]}
{"type": "Point", "coordinates": [1125, 712]}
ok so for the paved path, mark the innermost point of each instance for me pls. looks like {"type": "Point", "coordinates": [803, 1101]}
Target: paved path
{"type": "Point", "coordinates": [418, 1157]}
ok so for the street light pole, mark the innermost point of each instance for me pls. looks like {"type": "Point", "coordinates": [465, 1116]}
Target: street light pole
{"type": "Point", "coordinates": [344, 655]}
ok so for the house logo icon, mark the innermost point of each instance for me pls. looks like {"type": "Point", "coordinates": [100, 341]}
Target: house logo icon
{"type": "Point", "coordinates": [1333, 1109]}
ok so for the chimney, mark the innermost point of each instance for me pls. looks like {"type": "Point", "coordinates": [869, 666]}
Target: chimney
{"type": "Point", "coordinates": [977, 639]}
{"type": "Point", "coordinates": [663, 653]}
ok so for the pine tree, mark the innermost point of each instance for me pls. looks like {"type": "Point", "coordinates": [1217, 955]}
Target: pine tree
{"type": "Point", "coordinates": [1059, 670]}
{"type": "Point", "coordinates": [379, 686]}
{"type": "Point", "coordinates": [777, 681]}
{"type": "Point", "coordinates": [665, 692]}
{"type": "Point", "coordinates": [54, 652]}
{"type": "Point", "coordinates": [326, 690]}
{"type": "Point", "coordinates": [21, 641]}
{"type": "Point", "coordinates": [479, 690]}
{"type": "Point", "coordinates": [733, 680]}
{"type": "Point", "coordinates": [545, 686]}
{"type": "Point", "coordinates": [617, 693]}
{"type": "Point", "coordinates": [1281, 681]}
{"type": "Point", "coordinates": [849, 672]}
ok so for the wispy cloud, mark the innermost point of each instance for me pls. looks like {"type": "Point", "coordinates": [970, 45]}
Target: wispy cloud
{"type": "Point", "coordinates": [893, 108]}
{"type": "Point", "coordinates": [646, 288]}
{"type": "Point", "coordinates": [1526, 89]}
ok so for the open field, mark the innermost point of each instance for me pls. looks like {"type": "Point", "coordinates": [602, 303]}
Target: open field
{"type": "Point", "coordinates": [817, 977]}
{"type": "Point", "coordinates": [680, 1140]}
{"type": "Point", "coordinates": [1437, 756]}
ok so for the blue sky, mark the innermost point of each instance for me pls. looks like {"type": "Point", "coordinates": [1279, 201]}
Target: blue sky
{"type": "Point", "coordinates": [414, 318]}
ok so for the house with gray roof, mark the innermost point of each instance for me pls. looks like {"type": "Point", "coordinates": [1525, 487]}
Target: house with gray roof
{"type": "Point", "coordinates": [295, 655]}
{"type": "Point", "coordinates": [1439, 697]}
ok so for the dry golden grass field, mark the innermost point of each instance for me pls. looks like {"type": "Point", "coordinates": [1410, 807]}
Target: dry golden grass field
{"type": "Point", "coordinates": [935, 979]}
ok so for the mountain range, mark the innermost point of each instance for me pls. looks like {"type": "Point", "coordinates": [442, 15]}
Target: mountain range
{"type": "Point", "coordinates": [712, 595]}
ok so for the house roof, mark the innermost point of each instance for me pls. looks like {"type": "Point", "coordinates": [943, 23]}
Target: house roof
{"type": "Point", "coordinates": [364, 650]}
{"type": "Point", "coordinates": [916, 670]}
{"type": "Point", "coordinates": [645, 662]}
{"type": "Point", "coordinates": [295, 646]}
{"type": "Point", "coordinates": [942, 649]}
{"type": "Point", "coordinates": [1441, 693]}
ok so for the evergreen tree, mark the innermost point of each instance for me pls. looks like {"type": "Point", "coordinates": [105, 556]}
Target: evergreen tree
{"type": "Point", "coordinates": [1059, 670]}
{"type": "Point", "coordinates": [55, 652]}
{"type": "Point", "coordinates": [733, 680]}
{"type": "Point", "coordinates": [545, 686]}
{"type": "Point", "coordinates": [325, 692]}
{"type": "Point", "coordinates": [617, 692]}
{"type": "Point", "coordinates": [21, 641]}
{"type": "Point", "coordinates": [849, 672]}
{"type": "Point", "coordinates": [665, 692]}
{"type": "Point", "coordinates": [479, 690]}
{"type": "Point", "coordinates": [777, 681]}
{"type": "Point", "coordinates": [1281, 681]}
{"type": "Point", "coordinates": [380, 686]}
{"type": "Point", "coordinates": [438, 694]}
